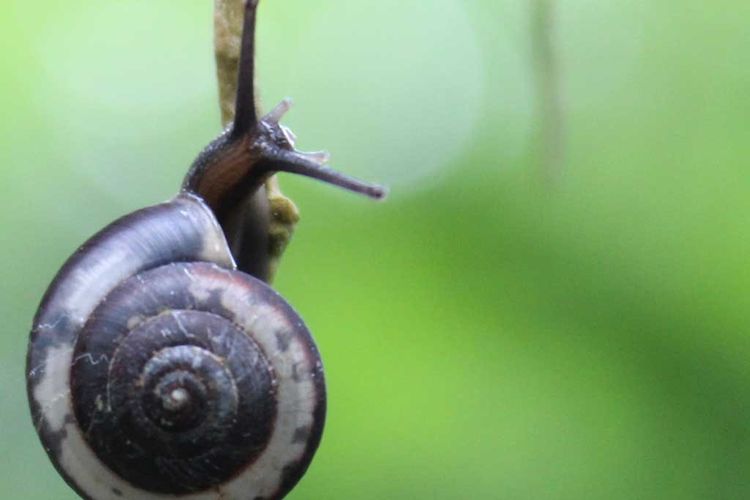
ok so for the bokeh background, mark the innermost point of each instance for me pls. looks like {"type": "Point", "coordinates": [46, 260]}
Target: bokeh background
{"type": "Point", "coordinates": [491, 331]}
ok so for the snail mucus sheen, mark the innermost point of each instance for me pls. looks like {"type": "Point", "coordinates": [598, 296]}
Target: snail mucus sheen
{"type": "Point", "coordinates": [160, 363]}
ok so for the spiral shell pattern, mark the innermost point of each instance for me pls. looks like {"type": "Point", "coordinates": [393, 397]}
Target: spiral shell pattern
{"type": "Point", "coordinates": [181, 377]}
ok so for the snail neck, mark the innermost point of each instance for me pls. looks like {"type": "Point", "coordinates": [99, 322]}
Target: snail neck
{"type": "Point", "coordinates": [230, 172]}
{"type": "Point", "coordinates": [226, 172]}
{"type": "Point", "coordinates": [229, 178]}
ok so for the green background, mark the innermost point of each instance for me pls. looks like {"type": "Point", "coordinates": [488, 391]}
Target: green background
{"type": "Point", "coordinates": [486, 334]}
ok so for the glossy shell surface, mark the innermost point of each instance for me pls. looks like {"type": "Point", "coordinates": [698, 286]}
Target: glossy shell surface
{"type": "Point", "coordinates": [156, 370]}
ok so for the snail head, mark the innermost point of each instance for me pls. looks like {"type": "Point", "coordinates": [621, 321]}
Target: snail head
{"type": "Point", "coordinates": [254, 148]}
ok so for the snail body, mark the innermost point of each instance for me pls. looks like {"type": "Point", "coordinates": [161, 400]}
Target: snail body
{"type": "Point", "coordinates": [160, 364]}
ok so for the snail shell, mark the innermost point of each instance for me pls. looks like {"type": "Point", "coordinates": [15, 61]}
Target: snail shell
{"type": "Point", "coordinates": [158, 369]}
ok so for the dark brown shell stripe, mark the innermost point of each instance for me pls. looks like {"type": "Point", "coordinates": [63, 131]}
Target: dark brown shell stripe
{"type": "Point", "coordinates": [275, 455]}
{"type": "Point", "coordinates": [153, 337]}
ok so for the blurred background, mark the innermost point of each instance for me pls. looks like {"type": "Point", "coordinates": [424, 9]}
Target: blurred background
{"type": "Point", "coordinates": [553, 302]}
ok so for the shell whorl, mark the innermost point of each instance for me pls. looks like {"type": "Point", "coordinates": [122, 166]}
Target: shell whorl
{"type": "Point", "coordinates": [157, 370]}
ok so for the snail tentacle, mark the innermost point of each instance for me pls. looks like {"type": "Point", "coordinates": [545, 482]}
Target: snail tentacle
{"type": "Point", "coordinates": [246, 115]}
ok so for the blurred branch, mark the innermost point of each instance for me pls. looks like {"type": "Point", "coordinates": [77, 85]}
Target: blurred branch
{"type": "Point", "coordinates": [283, 213]}
{"type": "Point", "coordinates": [549, 101]}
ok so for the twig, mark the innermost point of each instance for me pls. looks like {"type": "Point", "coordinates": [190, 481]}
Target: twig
{"type": "Point", "coordinates": [283, 213]}
{"type": "Point", "coordinates": [549, 101]}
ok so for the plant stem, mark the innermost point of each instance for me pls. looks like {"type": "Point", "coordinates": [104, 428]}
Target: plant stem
{"type": "Point", "coordinates": [549, 100]}
{"type": "Point", "coordinates": [282, 212]}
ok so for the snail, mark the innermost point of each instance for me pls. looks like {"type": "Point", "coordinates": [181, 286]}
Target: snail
{"type": "Point", "coordinates": [160, 363]}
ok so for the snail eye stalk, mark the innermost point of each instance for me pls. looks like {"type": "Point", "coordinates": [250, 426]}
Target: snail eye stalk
{"type": "Point", "coordinates": [246, 115]}
{"type": "Point", "coordinates": [281, 156]}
